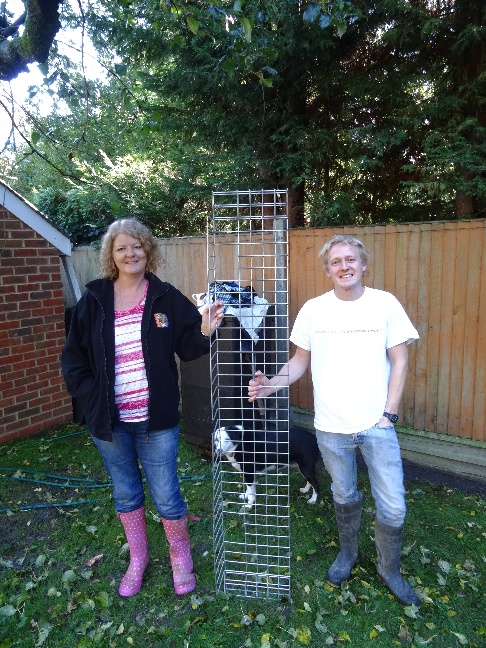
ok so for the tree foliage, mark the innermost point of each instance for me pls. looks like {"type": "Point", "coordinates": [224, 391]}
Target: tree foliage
{"type": "Point", "coordinates": [369, 112]}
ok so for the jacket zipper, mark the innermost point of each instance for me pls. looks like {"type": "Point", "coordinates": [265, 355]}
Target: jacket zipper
{"type": "Point", "coordinates": [144, 335]}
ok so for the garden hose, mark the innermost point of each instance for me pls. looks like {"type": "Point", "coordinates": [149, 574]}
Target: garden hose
{"type": "Point", "coordinates": [83, 482]}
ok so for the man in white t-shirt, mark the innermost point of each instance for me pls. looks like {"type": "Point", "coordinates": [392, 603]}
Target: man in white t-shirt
{"type": "Point", "coordinates": [355, 340]}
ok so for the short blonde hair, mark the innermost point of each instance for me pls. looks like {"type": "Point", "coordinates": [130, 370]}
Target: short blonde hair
{"type": "Point", "coordinates": [343, 238]}
{"type": "Point", "coordinates": [139, 231]}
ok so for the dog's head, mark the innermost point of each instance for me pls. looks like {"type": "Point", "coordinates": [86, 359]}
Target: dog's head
{"type": "Point", "coordinates": [227, 439]}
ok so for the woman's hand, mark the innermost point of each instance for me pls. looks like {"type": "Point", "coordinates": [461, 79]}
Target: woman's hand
{"type": "Point", "coordinates": [212, 316]}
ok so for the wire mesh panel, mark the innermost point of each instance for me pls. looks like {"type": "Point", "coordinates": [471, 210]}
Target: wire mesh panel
{"type": "Point", "coordinates": [247, 269]}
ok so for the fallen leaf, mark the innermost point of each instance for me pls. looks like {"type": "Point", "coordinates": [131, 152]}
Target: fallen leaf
{"type": "Point", "coordinates": [88, 604]}
{"type": "Point", "coordinates": [91, 561]}
{"type": "Point", "coordinates": [444, 566]}
{"type": "Point", "coordinates": [104, 599]}
{"type": "Point", "coordinates": [320, 627]}
{"type": "Point", "coordinates": [44, 629]}
{"type": "Point", "coordinates": [7, 611]}
{"type": "Point", "coordinates": [411, 611]}
{"type": "Point", "coordinates": [6, 563]}
{"type": "Point", "coordinates": [461, 638]}
{"type": "Point", "coordinates": [420, 641]}
{"type": "Point", "coordinates": [68, 576]}
{"type": "Point", "coordinates": [265, 640]}
{"type": "Point", "coordinates": [304, 635]}
{"type": "Point", "coordinates": [404, 633]}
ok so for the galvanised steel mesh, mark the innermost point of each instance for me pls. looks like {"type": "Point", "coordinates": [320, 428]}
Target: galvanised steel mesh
{"type": "Point", "coordinates": [247, 248]}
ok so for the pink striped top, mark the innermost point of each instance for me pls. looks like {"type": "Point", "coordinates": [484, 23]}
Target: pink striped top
{"type": "Point", "coordinates": [131, 386]}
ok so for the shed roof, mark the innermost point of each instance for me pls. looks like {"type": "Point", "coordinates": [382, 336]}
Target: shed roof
{"type": "Point", "coordinates": [27, 213]}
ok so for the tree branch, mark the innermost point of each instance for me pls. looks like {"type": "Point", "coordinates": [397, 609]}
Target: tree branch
{"type": "Point", "coordinates": [41, 26]}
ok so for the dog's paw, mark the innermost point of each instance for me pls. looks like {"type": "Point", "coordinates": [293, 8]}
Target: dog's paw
{"type": "Point", "coordinates": [308, 487]}
{"type": "Point", "coordinates": [249, 501]}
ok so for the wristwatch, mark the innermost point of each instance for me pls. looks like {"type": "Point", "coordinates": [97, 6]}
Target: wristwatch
{"type": "Point", "coordinates": [391, 417]}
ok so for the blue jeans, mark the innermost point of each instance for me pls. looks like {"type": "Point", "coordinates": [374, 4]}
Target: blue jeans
{"type": "Point", "coordinates": [157, 454]}
{"type": "Point", "coordinates": [381, 453]}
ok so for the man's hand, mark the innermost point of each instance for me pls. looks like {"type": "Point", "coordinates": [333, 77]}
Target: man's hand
{"type": "Point", "coordinates": [259, 387]}
{"type": "Point", "coordinates": [384, 423]}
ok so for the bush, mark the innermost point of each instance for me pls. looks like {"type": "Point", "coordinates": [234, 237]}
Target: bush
{"type": "Point", "coordinates": [83, 214]}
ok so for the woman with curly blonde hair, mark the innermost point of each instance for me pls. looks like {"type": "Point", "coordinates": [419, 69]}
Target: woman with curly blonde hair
{"type": "Point", "coordinates": [119, 364]}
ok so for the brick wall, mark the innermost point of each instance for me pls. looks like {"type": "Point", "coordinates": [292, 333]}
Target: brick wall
{"type": "Point", "coordinates": [32, 392]}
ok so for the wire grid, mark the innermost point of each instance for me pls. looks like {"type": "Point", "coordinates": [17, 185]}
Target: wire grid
{"type": "Point", "coordinates": [248, 244]}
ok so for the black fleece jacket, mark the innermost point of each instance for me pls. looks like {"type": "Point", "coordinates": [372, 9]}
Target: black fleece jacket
{"type": "Point", "coordinates": [171, 324]}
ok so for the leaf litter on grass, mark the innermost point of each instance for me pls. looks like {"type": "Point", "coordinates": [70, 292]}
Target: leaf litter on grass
{"type": "Point", "coordinates": [60, 568]}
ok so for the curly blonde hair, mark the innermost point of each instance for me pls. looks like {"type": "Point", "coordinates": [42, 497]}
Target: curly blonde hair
{"type": "Point", "coordinates": [139, 231]}
{"type": "Point", "coordinates": [343, 238]}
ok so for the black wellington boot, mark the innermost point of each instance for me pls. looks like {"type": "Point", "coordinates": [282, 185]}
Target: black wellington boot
{"type": "Point", "coordinates": [388, 541]}
{"type": "Point", "coordinates": [348, 518]}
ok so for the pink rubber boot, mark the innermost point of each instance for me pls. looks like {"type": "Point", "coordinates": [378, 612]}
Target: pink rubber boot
{"type": "Point", "coordinates": [180, 554]}
{"type": "Point", "coordinates": [135, 526]}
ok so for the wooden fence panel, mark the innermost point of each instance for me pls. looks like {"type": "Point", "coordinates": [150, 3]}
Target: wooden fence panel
{"type": "Point", "coordinates": [432, 318]}
{"type": "Point", "coordinates": [436, 270]}
{"type": "Point", "coordinates": [446, 286]}
{"type": "Point", "coordinates": [479, 412]}
{"type": "Point", "coordinates": [419, 293]}
{"type": "Point", "coordinates": [458, 329]}
{"type": "Point", "coordinates": [184, 264]}
{"type": "Point", "coordinates": [471, 301]}
{"type": "Point", "coordinates": [407, 293]}
{"type": "Point", "coordinates": [304, 278]}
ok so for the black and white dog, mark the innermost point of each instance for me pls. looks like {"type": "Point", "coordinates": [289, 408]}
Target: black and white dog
{"type": "Point", "coordinates": [257, 451]}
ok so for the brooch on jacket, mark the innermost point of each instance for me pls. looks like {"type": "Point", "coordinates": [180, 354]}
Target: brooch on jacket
{"type": "Point", "coordinates": [161, 320]}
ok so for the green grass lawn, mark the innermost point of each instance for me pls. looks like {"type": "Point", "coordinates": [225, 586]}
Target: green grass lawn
{"type": "Point", "coordinates": [62, 557]}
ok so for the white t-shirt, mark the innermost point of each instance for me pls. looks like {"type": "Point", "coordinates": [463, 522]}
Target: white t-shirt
{"type": "Point", "coordinates": [350, 367]}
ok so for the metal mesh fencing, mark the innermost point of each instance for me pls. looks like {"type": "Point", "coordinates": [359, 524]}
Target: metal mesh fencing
{"type": "Point", "coordinates": [247, 268]}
